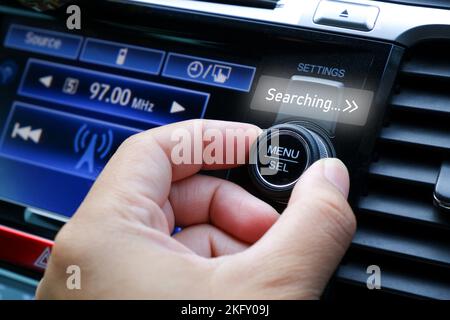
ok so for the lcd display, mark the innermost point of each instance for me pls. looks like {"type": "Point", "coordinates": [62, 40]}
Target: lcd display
{"type": "Point", "coordinates": [69, 99]}
{"type": "Point", "coordinates": [73, 106]}
{"type": "Point", "coordinates": [315, 98]}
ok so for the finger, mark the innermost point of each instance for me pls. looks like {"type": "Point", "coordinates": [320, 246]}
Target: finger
{"type": "Point", "coordinates": [170, 217]}
{"type": "Point", "coordinates": [145, 159]}
{"type": "Point", "coordinates": [308, 241]}
{"type": "Point", "coordinates": [138, 177]}
{"type": "Point", "coordinates": [208, 241]}
{"type": "Point", "coordinates": [202, 199]}
{"type": "Point", "coordinates": [210, 145]}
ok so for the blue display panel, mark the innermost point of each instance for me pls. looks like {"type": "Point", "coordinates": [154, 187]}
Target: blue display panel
{"type": "Point", "coordinates": [41, 187]}
{"type": "Point", "coordinates": [139, 100]}
{"type": "Point", "coordinates": [122, 56]}
{"type": "Point", "coordinates": [58, 138]}
{"type": "Point", "coordinates": [43, 41]}
{"type": "Point", "coordinates": [60, 141]}
{"type": "Point", "coordinates": [211, 72]}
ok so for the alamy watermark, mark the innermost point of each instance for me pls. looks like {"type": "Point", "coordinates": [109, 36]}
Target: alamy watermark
{"type": "Point", "coordinates": [73, 21]}
{"type": "Point", "coordinates": [229, 146]}
{"type": "Point", "coordinates": [73, 281]}
{"type": "Point", "coordinates": [374, 280]}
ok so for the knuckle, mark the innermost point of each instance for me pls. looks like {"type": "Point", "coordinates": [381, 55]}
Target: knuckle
{"type": "Point", "coordinates": [74, 246]}
{"type": "Point", "coordinates": [62, 251]}
{"type": "Point", "coordinates": [71, 246]}
{"type": "Point", "coordinates": [136, 141]}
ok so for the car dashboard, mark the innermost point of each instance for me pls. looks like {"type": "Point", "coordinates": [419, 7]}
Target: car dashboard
{"type": "Point", "coordinates": [367, 79]}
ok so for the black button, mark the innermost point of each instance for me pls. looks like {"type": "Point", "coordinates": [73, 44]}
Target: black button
{"type": "Point", "coordinates": [281, 155]}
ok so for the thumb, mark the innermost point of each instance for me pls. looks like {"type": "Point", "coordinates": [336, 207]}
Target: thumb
{"type": "Point", "coordinates": [298, 255]}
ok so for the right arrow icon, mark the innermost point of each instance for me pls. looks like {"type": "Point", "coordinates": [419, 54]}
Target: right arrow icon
{"type": "Point", "coordinates": [351, 106]}
{"type": "Point", "coordinates": [176, 107]}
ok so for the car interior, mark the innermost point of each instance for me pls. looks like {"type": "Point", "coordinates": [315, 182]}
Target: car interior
{"type": "Point", "coordinates": [364, 81]}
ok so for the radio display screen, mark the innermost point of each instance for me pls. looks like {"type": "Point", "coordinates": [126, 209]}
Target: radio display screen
{"type": "Point", "coordinates": [310, 97]}
{"type": "Point", "coordinates": [69, 100]}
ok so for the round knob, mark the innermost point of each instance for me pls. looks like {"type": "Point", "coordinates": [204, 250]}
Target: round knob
{"type": "Point", "coordinates": [281, 154]}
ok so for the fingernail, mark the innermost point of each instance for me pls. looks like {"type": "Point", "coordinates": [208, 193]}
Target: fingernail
{"type": "Point", "coordinates": [336, 173]}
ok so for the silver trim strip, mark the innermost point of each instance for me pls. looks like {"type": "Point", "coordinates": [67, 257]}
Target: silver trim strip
{"type": "Point", "coordinates": [48, 214]}
{"type": "Point", "coordinates": [440, 204]}
{"type": "Point", "coordinates": [400, 23]}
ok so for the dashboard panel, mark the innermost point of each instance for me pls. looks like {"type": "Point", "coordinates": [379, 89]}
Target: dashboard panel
{"type": "Point", "coordinates": [364, 81]}
{"type": "Point", "coordinates": [72, 98]}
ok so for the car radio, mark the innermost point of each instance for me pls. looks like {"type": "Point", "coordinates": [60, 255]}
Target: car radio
{"type": "Point", "coordinates": [69, 98]}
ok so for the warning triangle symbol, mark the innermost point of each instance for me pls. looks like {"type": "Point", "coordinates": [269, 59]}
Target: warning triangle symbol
{"type": "Point", "coordinates": [42, 260]}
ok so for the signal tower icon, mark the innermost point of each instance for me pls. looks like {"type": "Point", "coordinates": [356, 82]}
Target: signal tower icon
{"type": "Point", "coordinates": [90, 144]}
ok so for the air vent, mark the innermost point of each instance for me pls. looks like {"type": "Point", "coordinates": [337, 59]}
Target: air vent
{"type": "Point", "coordinates": [443, 4]}
{"type": "Point", "coordinates": [263, 4]}
{"type": "Point", "coordinates": [399, 228]}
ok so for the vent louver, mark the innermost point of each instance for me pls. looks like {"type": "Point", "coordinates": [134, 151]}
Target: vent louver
{"type": "Point", "coordinates": [263, 4]}
{"type": "Point", "coordinates": [442, 4]}
{"type": "Point", "coordinates": [399, 228]}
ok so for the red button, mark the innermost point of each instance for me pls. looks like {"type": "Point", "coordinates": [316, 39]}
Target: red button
{"type": "Point", "coordinates": [24, 249]}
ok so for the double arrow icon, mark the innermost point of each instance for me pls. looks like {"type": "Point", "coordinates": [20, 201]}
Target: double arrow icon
{"type": "Point", "coordinates": [26, 133]}
{"type": "Point", "coordinates": [350, 106]}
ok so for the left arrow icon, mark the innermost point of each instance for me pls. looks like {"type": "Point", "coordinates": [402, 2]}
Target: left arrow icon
{"type": "Point", "coordinates": [46, 81]}
{"type": "Point", "coordinates": [26, 133]}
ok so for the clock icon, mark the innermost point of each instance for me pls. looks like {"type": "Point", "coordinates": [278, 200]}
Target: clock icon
{"type": "Point", "coordinates": [195, 69]}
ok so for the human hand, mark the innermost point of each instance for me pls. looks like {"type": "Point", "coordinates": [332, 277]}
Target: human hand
{"type": "Point", "coordinates": [232, 246]}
